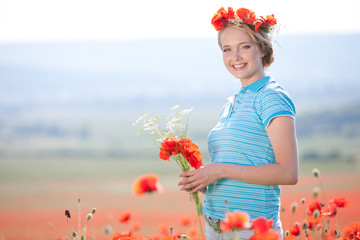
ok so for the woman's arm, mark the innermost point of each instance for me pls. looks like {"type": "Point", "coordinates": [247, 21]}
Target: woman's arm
{"type": "Point", "coordinates": [281, 132]}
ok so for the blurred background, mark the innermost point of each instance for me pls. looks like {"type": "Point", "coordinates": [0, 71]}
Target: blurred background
{"type": "Point", "coordinates": [75, 75]}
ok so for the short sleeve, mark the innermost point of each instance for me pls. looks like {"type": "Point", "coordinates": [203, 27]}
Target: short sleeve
{"type": "Point", "coordinates": [274, 103]}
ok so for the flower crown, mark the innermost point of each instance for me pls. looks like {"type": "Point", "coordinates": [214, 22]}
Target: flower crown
{"type": "Point", "coordinates": [243, 16]}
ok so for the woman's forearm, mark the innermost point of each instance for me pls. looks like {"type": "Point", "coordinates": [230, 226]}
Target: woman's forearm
{"type": "Point", "coordinates": [269, 174]}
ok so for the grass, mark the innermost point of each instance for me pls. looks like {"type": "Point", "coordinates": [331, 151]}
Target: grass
{"type": "Point", "coordinates": [46, 169]}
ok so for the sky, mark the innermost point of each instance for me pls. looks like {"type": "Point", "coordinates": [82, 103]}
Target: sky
{"type": "Point", "coordinates": [78, 20]}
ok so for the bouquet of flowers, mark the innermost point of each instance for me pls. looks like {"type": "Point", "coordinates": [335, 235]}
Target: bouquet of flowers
{"type": "Point", "coordinates": [172, 142]}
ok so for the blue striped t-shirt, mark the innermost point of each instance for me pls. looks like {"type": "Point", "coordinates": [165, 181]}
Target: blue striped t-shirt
{"type": "Point", "coordinates": [240, 138]}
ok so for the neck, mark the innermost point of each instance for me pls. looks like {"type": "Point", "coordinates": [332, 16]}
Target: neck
{"type": "Point", "coordinates": [247, 81]}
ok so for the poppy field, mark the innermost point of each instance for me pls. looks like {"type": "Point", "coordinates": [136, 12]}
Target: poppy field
{"type": "Point", "coordinates": [34, 200]}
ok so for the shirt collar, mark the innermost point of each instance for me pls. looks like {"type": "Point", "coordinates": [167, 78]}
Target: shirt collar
{"type": "Point", "coordinates": [255, 86]}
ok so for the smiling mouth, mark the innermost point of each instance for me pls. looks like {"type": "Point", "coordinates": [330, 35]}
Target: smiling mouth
{"type": "Point", "coordinates": [239, 66]}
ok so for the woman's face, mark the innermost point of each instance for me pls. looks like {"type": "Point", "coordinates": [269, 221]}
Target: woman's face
{"type": "Point", "coordinates": [241, 56]}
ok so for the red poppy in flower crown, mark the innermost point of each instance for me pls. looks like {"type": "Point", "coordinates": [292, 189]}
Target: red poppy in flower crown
{"type": "Point", "coordinates": [262, 230]}
{"type": "Point", "coordinates": [243, 16]}
{"type": "Point", "coordinates": [219, 19]}
{"type": "Point", "coordinates": [246, 15]}
{"type": "Point", "coordinates": [146, 183]}
{"type": "Point", "coordinates": [340, 202]}
{"type": "Point", "coordinates": [235, 221]}
{"type": "Point", "coordinates": [270, 19]}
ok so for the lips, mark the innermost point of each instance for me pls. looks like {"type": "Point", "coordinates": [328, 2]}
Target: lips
{"type": "Point", "coordinates": [239, 66]}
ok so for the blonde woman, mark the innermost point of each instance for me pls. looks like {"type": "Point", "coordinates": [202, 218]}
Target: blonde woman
{"type": "Point", "coordinates": [253, 147]}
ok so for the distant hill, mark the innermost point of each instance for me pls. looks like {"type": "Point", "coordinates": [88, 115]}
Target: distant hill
{"type": "Point", "coordinates": [315, 70]}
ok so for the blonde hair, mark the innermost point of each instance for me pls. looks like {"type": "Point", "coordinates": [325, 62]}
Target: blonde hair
{"type": "Point", "coordinates": [261, 39]}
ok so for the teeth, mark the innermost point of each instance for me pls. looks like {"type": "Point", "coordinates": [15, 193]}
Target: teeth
{"type": "Point", "coordinates": [239, 66]}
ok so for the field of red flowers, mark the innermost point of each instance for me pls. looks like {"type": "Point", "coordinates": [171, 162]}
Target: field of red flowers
{"type": "Point", "coordinates": [35, 209]}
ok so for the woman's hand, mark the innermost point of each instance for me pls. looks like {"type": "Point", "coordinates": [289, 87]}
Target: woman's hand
{"type": "Point", "coordinates": [195, 180]}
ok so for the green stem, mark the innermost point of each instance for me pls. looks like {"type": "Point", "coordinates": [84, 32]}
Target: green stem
{"type": "Point", "coordinates": [322, 191]}
{"type": "Point", "coordinates": [79, 218]}
{"type": "Point", "coordinates": [149, 215]}
{"type": "Point", "coordinates": [67, 224]}
{"type": "Point", "coordinates": [338, 222]}
{"type": "Point", "coordinates": [198, 204]}
{"type": "Point", "coordinates": [91, 226]}
{"type": "Point", "coordinates": [201, 228]}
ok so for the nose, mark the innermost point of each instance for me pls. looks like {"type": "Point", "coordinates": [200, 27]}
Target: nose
{"type": "Point", "coordinates": [236, 55]}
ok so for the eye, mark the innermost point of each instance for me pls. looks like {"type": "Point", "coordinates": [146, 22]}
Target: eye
{"type": "Point", "coordinates": [246, 47]}
{"type": "Point", "coordinates": [226, 50]}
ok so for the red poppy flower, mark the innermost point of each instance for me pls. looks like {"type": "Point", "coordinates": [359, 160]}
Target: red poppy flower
{"type": "Point", "coordinates": [219, 19]}
{"type": "Point", "coordinates": [262, 230]}
{"type": "Point", "coordinates": [352, 231]}
{"type": "Point", "coordinates": [129, 236]}
{"type": "Point", "coordinates": [235, 221]}
{"type": "Point", "coordinates": [185, 221]}
{"type": "Point", "coordinates": [125, 217]}
{"type": "Point", "coordinates": [164, 229]}
{"type": "Point", "coordinates": [295, 230]}
{"type": "Point", "coordinates": [168, 148]}
{"type": "Point", "coordinates": [134, 226]}
{"type": "Point", "coordinates": [146, 183]}
{"type": "Point", "coordinates": [270, 19]}
{"type": "Point", "coordinates": [195, 160]}
{"type": "Point", "coordinates": [192, 233]}
{"type": "Point", "coordinates": [257, 26]}
{"type": "Point", "coordinates": [312, 222]}
{"type": "Point", "coordinates": [246, 15]}
{"type": "Point", "coordinates": [340, 202]}
{"type": "Point", "coordinates": [168, 237]}
{"type": "Point", "coordinates": [314, 206]}
{"type": "Point", "coordinates": [120, 236]}
{"type": "Point", "coordinates": [330, 210]}
{"type": "Point", "coordinates": [191, 152]}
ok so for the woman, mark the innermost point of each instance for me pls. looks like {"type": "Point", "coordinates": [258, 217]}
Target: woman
{"type": "Point", "coordinates": [253, 148]}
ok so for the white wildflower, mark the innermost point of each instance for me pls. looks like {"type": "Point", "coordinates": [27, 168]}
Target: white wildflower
{"type": "Point", "coordinates": [186, 111]}
{"type": "Point", "coordinates": [176, 124]}
{"type": "Point", "coordinates": [176, 107]}
{"type": "Point", "coordinates": [140, 119]}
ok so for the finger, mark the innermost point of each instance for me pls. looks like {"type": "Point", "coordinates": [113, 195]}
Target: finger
{"type": "Point", "coordinates": [189, 185]}
{"type": "Point", "coordinates": [196, 189]}
{"type": "Point", "coordinates": [186, 174]}
{"type": "Point", "coordinates": [184, 180]}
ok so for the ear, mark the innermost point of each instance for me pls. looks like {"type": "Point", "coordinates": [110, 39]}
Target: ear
{"type": "Point", "coordinates": [262, 54]}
